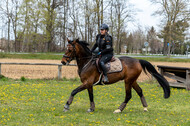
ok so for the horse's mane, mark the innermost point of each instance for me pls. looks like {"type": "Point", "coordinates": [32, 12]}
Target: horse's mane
{"type": "Point", "coordinates": [85, 45]}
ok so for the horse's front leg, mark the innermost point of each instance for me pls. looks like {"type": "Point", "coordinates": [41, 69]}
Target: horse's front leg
{"type": "Point", "coordinates": [73, 93]}
{"type": "Point", "coordinates": [91, 96]}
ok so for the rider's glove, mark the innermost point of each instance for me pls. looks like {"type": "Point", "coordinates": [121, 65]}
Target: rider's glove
{"type": "Point", "coordinates": [99, 53]}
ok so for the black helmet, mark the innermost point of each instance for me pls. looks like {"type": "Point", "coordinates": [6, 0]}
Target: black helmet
{"type": "Point", "coordinates": [104, 26]}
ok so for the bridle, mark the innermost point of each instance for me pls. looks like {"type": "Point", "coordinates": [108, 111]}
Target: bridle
{"type": "Point", "coordinates": [73, 54]}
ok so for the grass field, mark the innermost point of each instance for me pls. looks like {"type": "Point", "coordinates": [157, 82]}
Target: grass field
{"type": "Point", "coordinates": [54, 56]}
{"type": "Point", "coordinates": [40, 102]}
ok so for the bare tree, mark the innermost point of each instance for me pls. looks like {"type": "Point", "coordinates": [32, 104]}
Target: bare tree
{"type": "Point", "coordinates": [171, 11]}
{"type": "Point", "coordinates": [14, 20]}
{"type": "Point", "coordinates": [153, 40]}
{"type": "Point", "coordinates": [44, 25]}
{"type": "Point", "coordinates": [6, 11]}
{"type": "Point", "coordinates": [122, 15]}
{"type": "Point", "coordinates": [49, 21]}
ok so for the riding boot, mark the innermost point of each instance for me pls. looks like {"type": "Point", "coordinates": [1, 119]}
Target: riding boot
{"type": "Point", "coordinates": [105, 78]}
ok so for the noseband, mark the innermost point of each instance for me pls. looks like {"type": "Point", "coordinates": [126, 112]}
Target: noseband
{"type": "Point", "coordinates": [73, 53]}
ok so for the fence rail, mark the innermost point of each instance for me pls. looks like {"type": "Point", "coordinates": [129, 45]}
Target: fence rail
{"type": "Point", "coordinates": [47, 64]}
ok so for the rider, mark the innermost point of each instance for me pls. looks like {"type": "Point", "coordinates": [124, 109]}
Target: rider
{"type": "Point", "coordinates": [104, 44]}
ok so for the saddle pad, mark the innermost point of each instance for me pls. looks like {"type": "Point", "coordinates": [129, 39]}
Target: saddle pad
{"type": "Point", "coordinates": [114, 66]}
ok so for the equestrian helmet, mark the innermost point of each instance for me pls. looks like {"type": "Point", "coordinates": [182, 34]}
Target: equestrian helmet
{"type": "Point", "coordinates": [104, 26]}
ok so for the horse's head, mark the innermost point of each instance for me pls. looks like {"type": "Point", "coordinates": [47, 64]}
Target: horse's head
{"type": "Point", "coordinates": [70, 53]}
{"type": "Point", "coordinates": [78, 49]}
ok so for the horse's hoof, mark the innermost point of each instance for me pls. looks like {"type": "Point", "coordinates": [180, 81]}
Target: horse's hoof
{"type": "Point", "coordinates": [145, 110]}
{"type": "Point", "coordinates": [66, 108]}
{"type": "Point", "coordinates": [117, 111]}
{"type": "Point", "coordinates": [90, 110]}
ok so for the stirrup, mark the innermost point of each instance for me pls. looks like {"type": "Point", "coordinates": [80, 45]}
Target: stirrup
{"type": "Point", "coordinates": [105, 79]}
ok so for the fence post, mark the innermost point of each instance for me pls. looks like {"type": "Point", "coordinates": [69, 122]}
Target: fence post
{"type": "Point", "coordinates": [0, 68]}
{"type": "Point", "coordinates": [59, 71]}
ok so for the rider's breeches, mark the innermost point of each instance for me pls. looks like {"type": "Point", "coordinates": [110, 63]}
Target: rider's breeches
{"type": "Point", "coordinates": [103, 60]}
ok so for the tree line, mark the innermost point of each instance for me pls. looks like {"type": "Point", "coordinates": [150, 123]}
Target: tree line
{"type": "Point", "coordinates": [45, 25]}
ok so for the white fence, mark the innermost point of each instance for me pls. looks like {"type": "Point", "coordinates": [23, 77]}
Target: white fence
{"type": "Point", "coordinates": [59, 66]}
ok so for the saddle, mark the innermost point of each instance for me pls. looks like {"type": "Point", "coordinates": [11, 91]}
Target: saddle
{"type": "Point", "coordinates": [112, 67]}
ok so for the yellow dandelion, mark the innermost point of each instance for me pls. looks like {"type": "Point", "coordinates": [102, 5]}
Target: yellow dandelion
{"type": "Point", "coordinates": [31, 115]}
{"type": "Point", "coordinates": [98, 122]}
{"type": "Point", "coordinates": [118, 119]}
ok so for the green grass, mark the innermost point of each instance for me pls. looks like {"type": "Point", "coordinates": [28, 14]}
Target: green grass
{"type": "Point", "coordinates": [42, 56]}
{"type": "Point", "coordinates": [53, 56]}
{"type": "Point", "coordinates": [41, 102]}
{"type": "Point", "coordinates": [163, 59]}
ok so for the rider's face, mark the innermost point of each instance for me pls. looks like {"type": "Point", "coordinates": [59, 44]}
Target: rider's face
{"type": "Point", "coordinates": [103, 31]}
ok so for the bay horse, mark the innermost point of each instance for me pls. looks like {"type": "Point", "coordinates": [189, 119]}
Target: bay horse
{"type": "Point", "coordinates": [89, 74]}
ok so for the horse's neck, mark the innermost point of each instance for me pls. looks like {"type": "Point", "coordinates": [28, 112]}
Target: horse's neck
{"type": "Point", "coordinates": [82, 61]}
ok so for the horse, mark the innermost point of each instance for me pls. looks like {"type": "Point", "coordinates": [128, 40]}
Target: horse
{"type": "Point", "coordinates": [89, 74]}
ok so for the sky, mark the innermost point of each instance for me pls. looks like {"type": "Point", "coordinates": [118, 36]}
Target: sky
{"type": "Point", "coordinates": [143, 16]}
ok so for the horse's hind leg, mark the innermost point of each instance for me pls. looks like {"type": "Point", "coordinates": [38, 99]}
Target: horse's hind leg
{"type": "Point", "coordinates": [128, 86]}
{"type": "Point", "coordinates": [139, 91]}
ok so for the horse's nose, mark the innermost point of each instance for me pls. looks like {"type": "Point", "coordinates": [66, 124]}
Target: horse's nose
{"type": "Point", "coordinates": [63, 62]}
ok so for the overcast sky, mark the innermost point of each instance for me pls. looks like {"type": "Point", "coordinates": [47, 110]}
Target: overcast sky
{"type": "Point", "coordinates": [143, 16]}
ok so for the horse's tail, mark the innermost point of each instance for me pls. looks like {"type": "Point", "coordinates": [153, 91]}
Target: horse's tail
{"type": "Point", "coordinates": [161, 80]}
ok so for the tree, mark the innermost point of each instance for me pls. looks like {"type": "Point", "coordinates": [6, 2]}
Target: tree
{"type": "Point", "coordinates": [14, 20]}
{"type": "Point", "coordinates": [138, 40]}
{"type": "Point", "coordinates": [122, 14]}
{"type": "Point", "coordinates": [25, 33]}
{"type": "Point", "coordinates": [49, 21]}
{"type": "Point", "coordinates": [172, 11]}
{"type": "Point", "coordinates": [179, 29]}
{"type": "Point", "coordinates": [6, 10]}
{"type": "Point", "coordinates": [130, 41]}
{"type": "Point", "coordinates": [44, 25]}
{"type": "Point", "coordinates": [153, 40]}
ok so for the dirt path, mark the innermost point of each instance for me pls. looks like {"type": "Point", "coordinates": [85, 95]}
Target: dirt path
{"type": "Point", "coordinates": [34, 72]}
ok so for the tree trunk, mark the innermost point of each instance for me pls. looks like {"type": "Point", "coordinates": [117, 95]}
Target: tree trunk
{"type": "Point", "coordinates": [8, 41]}
{"type": "Point", "coordinates": [98, 14]}
{"type": "Point", "coordinates": [9, 22]}
{"type": "Point", "coordinates": [102, 10]}
{"type": "Point", "coordinates": [112, 18]}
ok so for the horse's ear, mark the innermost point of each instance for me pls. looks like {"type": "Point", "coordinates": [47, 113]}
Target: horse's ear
{"type": "Point", "coordinates": [68, 40]}
{"type": "Point", "coordinates": [77, 40]}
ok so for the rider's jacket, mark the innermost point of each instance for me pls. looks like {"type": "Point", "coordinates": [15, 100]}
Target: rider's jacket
{"type": "Point", "coordinates": [104, 43]}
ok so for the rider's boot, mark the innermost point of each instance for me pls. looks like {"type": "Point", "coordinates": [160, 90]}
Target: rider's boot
{"type": "Point", "coordinates": [105, 78]}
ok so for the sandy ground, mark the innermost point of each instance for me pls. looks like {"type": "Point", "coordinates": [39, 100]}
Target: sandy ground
{"type": "Point", "coordinates": [34, 72]}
